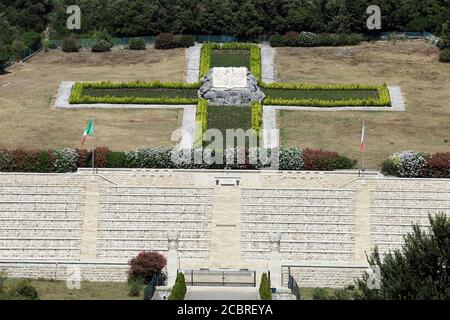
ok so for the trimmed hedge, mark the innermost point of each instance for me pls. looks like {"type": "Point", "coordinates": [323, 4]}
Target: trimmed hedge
{"type": "Point", "coordinates": [202, 119]}
{"type": "Point", "coordinates": [383, 95]}
{"type": "Point", "coordinates": [319, 160]}
{"type": "Point", "coordinates": [179, 289]}
{"type": "Point", "coordinates": [309, 39]}
{"type": "Point", "coordinates": [257, 117]}
{"type": "Point", "coordinates": [77, 95]}
{"type": "Point", "coordinates": [255, 56]}
{"type": "Point", "coordinates": [101, 46]}
{"type": "Point", "coordinates": [265, 293]}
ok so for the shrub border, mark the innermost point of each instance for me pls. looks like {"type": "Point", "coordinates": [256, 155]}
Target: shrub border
{"type": "Point", "coordinates": [382, 101]}
{"type": "Point", "coordinates": [77, 96]}
{"type": "Point", "coordinates": [255, 56]}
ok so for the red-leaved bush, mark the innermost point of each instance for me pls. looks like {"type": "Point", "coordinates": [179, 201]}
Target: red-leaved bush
{"type": "Point", "coordinates": [437, 165]}
{"type": "Point", "coordinates": [319, 160]}
{"type": "Point", "coordinates": [101, 157]}
{"type": "Point", "coordinates": [145, 265]}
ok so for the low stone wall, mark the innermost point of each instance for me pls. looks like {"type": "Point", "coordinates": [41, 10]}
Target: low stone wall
{"type": "Point", "coordinates": [323, 276]}
{"type": "Point", "coordinates": [97, 272]}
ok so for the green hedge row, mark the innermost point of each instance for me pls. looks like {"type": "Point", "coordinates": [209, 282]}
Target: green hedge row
{"type": "Point", "coordinates": [257, 116]}
{"type": "Point", "coordinates": [255, 56]}
{"type": "Point", "coordinates": [265, 292]}
{"type": "Point", "coordinates": [77, 95]}
{"type": "Point", "coordinates": [383, 95]}
{"type": "Point", "coordinates": [179, 289]}
{"type": "Point", "coordinates": [202, 118]}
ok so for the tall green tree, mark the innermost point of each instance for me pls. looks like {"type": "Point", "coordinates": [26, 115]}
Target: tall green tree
{"type": "Point", "coordinates": [420, 270]}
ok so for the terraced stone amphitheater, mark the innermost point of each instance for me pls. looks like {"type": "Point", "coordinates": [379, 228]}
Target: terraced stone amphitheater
{"type": "Point", "coordinates": [50, 223]}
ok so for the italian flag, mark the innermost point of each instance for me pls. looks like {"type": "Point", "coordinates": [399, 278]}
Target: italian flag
{"type": "Point", "coordinates": [362, 145]}
{"type": "Point", "coordinates": [89, 131]}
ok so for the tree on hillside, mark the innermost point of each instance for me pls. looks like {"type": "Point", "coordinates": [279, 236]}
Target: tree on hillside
{"type": "Point", "coordinates": [420, 270]}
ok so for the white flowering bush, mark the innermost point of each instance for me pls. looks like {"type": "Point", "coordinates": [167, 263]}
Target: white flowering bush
{"type": "Point", "coordinates": [307, 39]}
{"type": "Point", "coordinates": [291, 159]}
{"type": "Point", "coordinates": [149, 158]}
{"type": "Point", "coordinates": [64, 160]}
{"type": "Point", "coordinates": [408, 164]}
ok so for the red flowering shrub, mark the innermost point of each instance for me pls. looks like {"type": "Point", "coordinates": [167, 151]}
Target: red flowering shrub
{"type": "Point", "coordinates": [319, 160]}
{"type": "Point", "coordinates": [145, 265]}
{"type": "Point", "coordinates": [101, 157]}
{"type": "Point", "coordinates": [83, 158]}
{"type": "Point", "coordinates": [20, 160]}
{"type": "Point", "coordinates": [437, 165]}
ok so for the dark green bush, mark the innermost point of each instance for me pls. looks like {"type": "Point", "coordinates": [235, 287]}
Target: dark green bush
{"type": "Point", "coordinates": [24, 290]}
{"type": "Point", "coordinates": [389, 168]}
{"type": "Point", "coordinates": [165, 41]}
{"type": "Point", "coordinates": [136, 44]}
{"type": "Point", "coordinates": [320, 294]}
{"type": "Point", "coordinates": [179, 289]}
{"type": "Point", "coordinates": [31, 39]}
{"type": "Point", "coordinates": [101, 46]}
{"type": "Point", "coordinates": [116, 159]}
{"type": "Point", "coordinates": [105, 36]}
{"type": "Point", "coordinates": [444, 55]}
{"type": "Point", "coordinates": [277, 40]}
{"type": "Point", "coordinates": [265, 293]}
{"type": "Point", "coordinates": [184, 41]}
{"type": "Point", "coordinates": [18, 49]}
{"type": "Point", "coordinates": [134, 287]}
{"type": "Point", "coordinates": [70, 44]}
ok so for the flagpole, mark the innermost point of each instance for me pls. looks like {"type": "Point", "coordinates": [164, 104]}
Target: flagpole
{"type": "Point", "coordinates": [363, 169]}
{"type": "Point", "coordinates": [93, 149]}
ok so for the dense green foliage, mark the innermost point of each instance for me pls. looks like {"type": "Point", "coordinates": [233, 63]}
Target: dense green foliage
{"type": "Point", "coordinates": [241, 18]}
{"type": "Point", "coordinates": [22, 290]}
{"type": "Point", "coordinates": [264, 288]}
{"type": "Point", "coordinates": [410, 164]}
{"type": "Point", "coordinates": [170, 41]}
{"type": "Point", "coordinates": [77, 96]}
{"type": "Point", "coordinates": [70, 44]}
{"type": "Point", "coordinates": [308, 39]}
{"type": "Point", "coordinates": [201, 120]}
{"type": "Point", "coordinates": [382, 100]}
{"type": "Point", "coordinates": [136, 44]}
{"type": "Point", "coordinates": [179, 289]}
{"type": "Point", "coordinates": [257, 117]}
{"type": "Point", "coordinates": [444, 55]}
{"type": "Point", "coordinates": [420, 270]}
{"type": "Point", "coordinates": [207, 56]}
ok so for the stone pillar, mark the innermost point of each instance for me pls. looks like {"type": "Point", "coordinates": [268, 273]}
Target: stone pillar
{"type": "Point", "coordinates": [172, 257]}
{"type": "Point", "coordinates": [275, 260]}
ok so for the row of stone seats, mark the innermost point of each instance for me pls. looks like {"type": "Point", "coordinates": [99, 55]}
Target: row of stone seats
{"type": "Point", "coordinates": [127, 253]}
{"type": "Point", "coordinates": [43, 253]}
{"type": "Point", "coordinates": [155, 191]}
{"type": "Point", "coordinates": [22, 232]}
{"type": "Point", "coordinates": [299, 218]}
{"type": "Point", "coordinates": [162, 224]}
{"type": "Point", "coordinates": [107, 208]}
{"type": "Point", "coordinates": [410, 195]}
{"type": "Point", "coordinates": [172, 199]}
{"type": "Point", "coordinates": [435, 185]}
{"type": "Point", "coordinates": [314, 224]}
{"type": "Point", "coordinates": [309, 256]}
{"type": "Point", "coordinates": [289, 235]}
{"type": "Point", "coordinates": [144, 233]}
{"type": "Point", "coordinates": [41, 221]}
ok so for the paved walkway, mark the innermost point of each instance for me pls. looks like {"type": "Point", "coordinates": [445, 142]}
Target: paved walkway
{"type": "Point", "coordinates": [193, 63]}
{"type": "Point", "coordinates": [267, 62]}
{"type": "Point", "coordinates": [215, 293]}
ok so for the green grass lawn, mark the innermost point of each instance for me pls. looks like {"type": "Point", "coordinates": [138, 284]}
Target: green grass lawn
{"type": "Point", "coordinates": [307, 293]}
{"type": "Point", "coordinates": [320, 94]}
{"type": "Point", "coordinates": [230, 58]}
{"type": "Point", "coordinates": [142, 93]}
{"type": "Point", "coordinates": [57, 290]}
{"type": "Point", "coordinates": [229, 117]}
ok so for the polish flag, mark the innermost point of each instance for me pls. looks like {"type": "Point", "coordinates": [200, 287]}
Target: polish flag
{"type": "Point", "coordinates": [362, 146]}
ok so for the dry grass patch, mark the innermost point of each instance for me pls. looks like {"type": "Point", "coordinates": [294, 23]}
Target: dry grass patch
{"type": "Point", "coordinates": [27, 90]}
{"type": "Point", "coordinates": [425, 126]}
